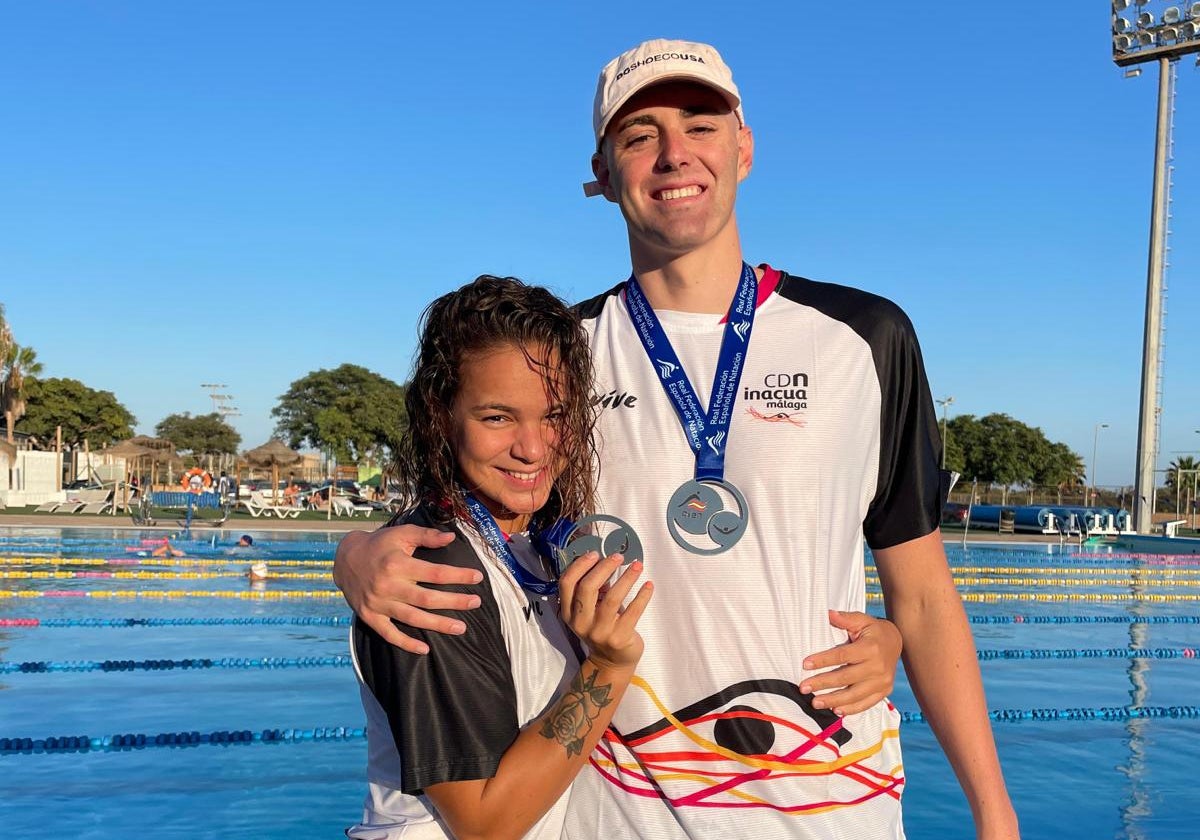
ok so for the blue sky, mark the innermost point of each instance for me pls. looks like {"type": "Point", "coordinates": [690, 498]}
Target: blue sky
{"type": "Point", "coordinates": [241, 193]}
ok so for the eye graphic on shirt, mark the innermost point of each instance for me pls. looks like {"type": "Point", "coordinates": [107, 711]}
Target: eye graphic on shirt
{"type": "Point", "coordinates": [738, 748]}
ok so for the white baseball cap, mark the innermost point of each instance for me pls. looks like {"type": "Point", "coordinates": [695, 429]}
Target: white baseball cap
{"type": "Point", "coordinates": [653, 62]}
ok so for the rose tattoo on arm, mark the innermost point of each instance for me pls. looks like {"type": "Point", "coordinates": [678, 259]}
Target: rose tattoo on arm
{"type": "Point", "coordinates": [572, 718]}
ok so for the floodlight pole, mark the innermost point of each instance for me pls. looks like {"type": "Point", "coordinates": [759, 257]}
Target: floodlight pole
{"type": "Point", "coordinates": [1095, 441]}
{"type": "Point", "coordinates": [1147, 447]}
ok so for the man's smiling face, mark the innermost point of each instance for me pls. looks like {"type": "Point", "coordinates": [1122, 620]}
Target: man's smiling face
{"type": "Point", "coordinates": [672, 158]}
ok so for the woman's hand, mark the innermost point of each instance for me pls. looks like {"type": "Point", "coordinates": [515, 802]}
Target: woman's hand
{"type": "Point", "coordinates": [864, 668]}
{"type": "Point", "coordinates": [593, 611]}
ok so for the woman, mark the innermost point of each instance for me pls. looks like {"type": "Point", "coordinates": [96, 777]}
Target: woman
{"type": "Point", "coordinates": [483, 738]}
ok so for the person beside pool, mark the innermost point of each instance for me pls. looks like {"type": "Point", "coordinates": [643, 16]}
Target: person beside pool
{"type": "Point", "coordinates": [484, 737]}
{"type": "Point", "coordinates": [759, 709]}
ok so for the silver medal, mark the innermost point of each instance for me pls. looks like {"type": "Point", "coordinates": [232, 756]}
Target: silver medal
{"type": "Point", "coordinates": [603, 534]}
{"type": "Point", "coordinates": [700, 519]}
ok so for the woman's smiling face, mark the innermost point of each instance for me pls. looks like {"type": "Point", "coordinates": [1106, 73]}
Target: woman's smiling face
{"type": "Point", "coordinates": [506, 432]}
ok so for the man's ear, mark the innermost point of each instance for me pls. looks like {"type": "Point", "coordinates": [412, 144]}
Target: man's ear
{"type": "Point", "coordinates": [600, 170]}
{"type": "Point", "coordinates": [745, 152]}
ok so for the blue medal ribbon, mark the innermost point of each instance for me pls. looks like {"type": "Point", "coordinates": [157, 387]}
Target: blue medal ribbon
{"type": "Point", "coordinates": [495, 540]}
{"type": "Point", "coordinates": [707, 432]}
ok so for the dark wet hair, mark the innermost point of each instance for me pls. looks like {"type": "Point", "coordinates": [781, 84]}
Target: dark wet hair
{"type": "Point", "coordinates": [486, 313]}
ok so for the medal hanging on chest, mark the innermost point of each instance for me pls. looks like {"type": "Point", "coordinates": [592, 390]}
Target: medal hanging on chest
{"type": "Point", "coordinates": [707, 515]}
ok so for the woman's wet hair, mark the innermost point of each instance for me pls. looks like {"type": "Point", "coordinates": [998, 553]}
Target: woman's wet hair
{"type": "Point", "coordinates": [488, 313]}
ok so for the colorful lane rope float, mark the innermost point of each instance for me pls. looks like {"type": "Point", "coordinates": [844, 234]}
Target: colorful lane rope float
{"type": "Point", "coordinates": [103, 575]}
{"type": "Point", "coordinates": [272, 663]}
{"type": "Point", "coordinates": [156, 561]}
{"type": "Point", "coordinates": [303, 620]}
{"type": "Point", "coordinates": [171, 594]}
{"type": "Point", "coordinates": [108, 666]}
{"type": "Point", "coordinates": [340, 734]}
{"type": "Point", "coordinates": [346, 620]}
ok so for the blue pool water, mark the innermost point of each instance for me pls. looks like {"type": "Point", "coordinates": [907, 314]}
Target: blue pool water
{"type": "Point", "coordinates": [1069, 779]}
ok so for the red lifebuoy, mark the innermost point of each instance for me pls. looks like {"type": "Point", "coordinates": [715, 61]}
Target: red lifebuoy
{"type": "Point", "coordinates": [196, 480]}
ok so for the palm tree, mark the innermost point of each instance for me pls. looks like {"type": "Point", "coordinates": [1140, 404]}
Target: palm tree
{"type": "Point", "coordinates": [1180, 471]}
{"type": "Point", "coordinates": [16, 363]}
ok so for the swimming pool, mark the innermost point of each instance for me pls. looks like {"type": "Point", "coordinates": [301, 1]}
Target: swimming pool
{"type": "Point", "coordinates": [185, 645]}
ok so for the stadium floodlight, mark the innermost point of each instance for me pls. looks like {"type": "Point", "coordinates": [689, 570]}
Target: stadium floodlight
{"type": "Point", "coordinates": [1160, 28]}
{"type": "Point", "coordinates": [1163, 44]}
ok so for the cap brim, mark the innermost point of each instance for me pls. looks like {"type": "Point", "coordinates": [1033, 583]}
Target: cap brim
{"type": "Point", "coordinates": [731, 98]}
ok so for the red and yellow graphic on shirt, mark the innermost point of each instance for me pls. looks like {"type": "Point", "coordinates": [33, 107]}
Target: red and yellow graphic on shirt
{"type": "Point", "coordinates": [750, 755]}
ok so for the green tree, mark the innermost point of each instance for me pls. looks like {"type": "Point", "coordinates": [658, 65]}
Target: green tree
{"type": "Point", "coordinates": [1060, 467]}
{"type": "Point", "coordinates": [352, 411]}
{"type": "Point", "coordinates": [17, 363]}
{"type": "Point", "coordinates": [1000, 450]}
{"type": "Point", "coordinates": [204, 434]}
{"type": "Point", "coordinates": [84, 413]}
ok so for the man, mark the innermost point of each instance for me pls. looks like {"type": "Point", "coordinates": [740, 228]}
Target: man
{"type": "Point", "coordinates": [750, 507]}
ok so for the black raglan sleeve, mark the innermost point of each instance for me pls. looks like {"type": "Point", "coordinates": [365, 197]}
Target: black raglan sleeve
{"type": "Point", "coordinates": [453, 711]}
{"type": "Point", "coordinates": [912, 488]}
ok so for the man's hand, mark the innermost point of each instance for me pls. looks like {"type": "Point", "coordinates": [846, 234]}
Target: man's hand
{"type": "Point", "coordinates": [381, 580]}
{"type": "Point", "coordinates": [864, 668]}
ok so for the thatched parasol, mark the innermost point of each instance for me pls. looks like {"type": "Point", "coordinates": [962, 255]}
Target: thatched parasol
{"type": "Point", "coordinates": [274, 454]}
{"type": "Point", "coordinates": [162, 453]}
{"type": "Point", "coordinates": [127, 449]}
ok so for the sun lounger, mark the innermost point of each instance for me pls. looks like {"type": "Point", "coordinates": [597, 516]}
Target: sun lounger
{"type": "Point", "coordinates": [48, 507]}
{"type": "Point", "coordinates": [258, 505]}
{"type": "Point", "coordinates": [94, 501]}
{"type": "Point", "coordinates": [70, 506]}
{"type": "Point", "coordinates": [345, 507]}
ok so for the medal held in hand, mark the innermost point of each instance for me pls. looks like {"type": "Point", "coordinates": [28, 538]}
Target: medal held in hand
{"type": "Point", "coordinates": [707, 515]}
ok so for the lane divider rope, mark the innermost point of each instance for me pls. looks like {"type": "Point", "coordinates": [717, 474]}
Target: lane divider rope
{"type": "Point", "coordinates": [99, 575]}
{"type": "Point", "coordinates": [1060, 597]}
{"type": "Point", "coordinates": [344, 661]}
{"type": "Point", "coordinates": [237, 663]}
{"type": "Point", "coordinates": [1053, 581]}
{"type": "Point", "coordinates": [331, 620]}
{"type": "Point", "coordinates": [1130, 571]}
{"type": "Point", "coordinates": [166, 594]}
{"type": "Point", "coordinates": [345, 620]}
{"type": "Point", "coordinates": [342, 734]}
{"type": "Point", "coordinates": [154, 561]}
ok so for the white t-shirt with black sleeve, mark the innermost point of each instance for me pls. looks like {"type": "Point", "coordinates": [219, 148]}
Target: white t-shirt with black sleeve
{"type": "Point", "coordinates": [451, 714]}
{"type": "Point", "coordinates": [833, 440]}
